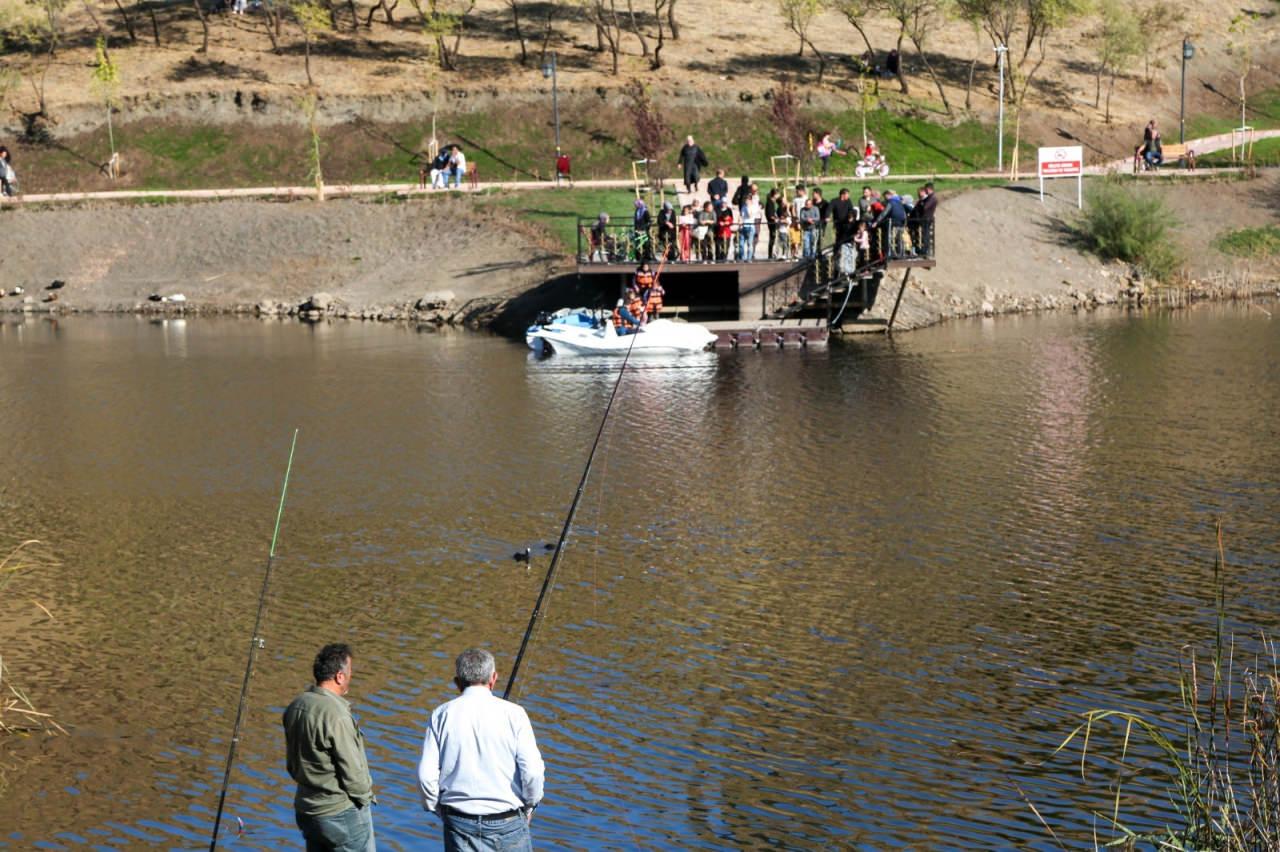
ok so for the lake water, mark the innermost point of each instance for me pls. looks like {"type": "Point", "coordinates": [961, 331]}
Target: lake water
{"type": "Point", "coordinates": [821, 599]}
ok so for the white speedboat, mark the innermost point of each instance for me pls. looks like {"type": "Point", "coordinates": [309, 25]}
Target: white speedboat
{"type": "Point", "coordinates": [659, 337]}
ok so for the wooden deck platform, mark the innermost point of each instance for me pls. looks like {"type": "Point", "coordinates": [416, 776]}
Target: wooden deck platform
{"type": "Point", "coordinates": [765, 333]}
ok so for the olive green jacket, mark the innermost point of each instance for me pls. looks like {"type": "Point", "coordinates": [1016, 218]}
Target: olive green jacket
{"type": "Point", "coordinates": [326, 754]}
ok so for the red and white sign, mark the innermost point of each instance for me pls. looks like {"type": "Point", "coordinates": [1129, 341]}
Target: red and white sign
{"type": "Point", "coordinates": [1062, 162]}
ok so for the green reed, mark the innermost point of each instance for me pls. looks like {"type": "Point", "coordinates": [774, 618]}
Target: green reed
{"type": "Point", "coordinates": [1224, 770]}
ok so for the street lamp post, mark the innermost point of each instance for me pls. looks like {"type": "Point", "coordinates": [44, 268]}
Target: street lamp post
{"type": "Point", "coordinates": [1188, 52]}
{"type": "Point", "coordinates": [1001, 50]}
{"type": "Point", "coordinates": [549, 71]}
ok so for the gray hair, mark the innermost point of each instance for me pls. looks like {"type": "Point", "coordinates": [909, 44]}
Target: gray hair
{"type": "Point", "coordinates": [474, 665]}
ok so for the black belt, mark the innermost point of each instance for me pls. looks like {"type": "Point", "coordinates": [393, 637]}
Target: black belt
{"type": "Point", "coordinates": [454, 812]}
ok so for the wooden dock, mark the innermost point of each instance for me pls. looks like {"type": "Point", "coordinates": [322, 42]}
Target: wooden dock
{"type": "Point", "coordinates": [805, 333]}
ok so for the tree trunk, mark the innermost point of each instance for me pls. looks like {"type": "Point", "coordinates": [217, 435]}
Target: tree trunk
{"type": "Point", "coordinates": [306, 57]}
{"type": "Point", "coordinates": [635, 28]}
{"type": "Point", "coordinates": [902, 77]}
{"type": "Point", "coordinates": [546, 35]}
{"type": "Point", "coordinates": [932, 74]}
{"type": "Point", "coordinates": [671, 21]}
{"type": "Point", "coordinates": [1097, 84]}
{"type": "Point", "coordinates": [1111, 87]}
{"type": "Point", "coordinates": [968, 88]}
{"type": "Point", "coordinates": [102, 33]}
{"type": "Point", "coordinates": [155, 24]}
{"type": "Point", "coordinates": [204, 23]}
{"type": "Point", "coordinates": [857, 26]}
{"type": "Point", "coordinates": [515, 22]}
{"type": "Point", "coordinates": [128, 22]}
{"type": "Point", "coordinates": [822, 61]}
{"type": "Point", "coordinates": [657, 50]}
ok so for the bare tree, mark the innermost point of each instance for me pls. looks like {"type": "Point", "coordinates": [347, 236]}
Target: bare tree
{"type": "Point", "coordinates": [854, 12]}
{"type": "Point", "coordinates": [443, 25]}
{"type": "Point", "coordinates": [652, 132]}
{"type": "Point", "coordinates": [917, 19]}
{"type": "Point", "coordinates": [514, 5]}
{"type": "Point", "coordinates": [635, 28]}
{"type": "Point", "coordinates": [1118, 40]}
{"type": "Point", "coordinates": [671, 21]}
{"type": "Point", "coordinates": [784, 115]}
{"type": "Point", "coordinates": [660, 8]}
{"type": "Point", "coordinates": [1159, 25]}
{"type": "Point", "coordinates": [799, 15]}
{"type": "Point", "coordinates": [603, 14]}
{"type": "Point", "coordinates": [312, 19]}
{"type": "Point", "coordinates": [204, 25]}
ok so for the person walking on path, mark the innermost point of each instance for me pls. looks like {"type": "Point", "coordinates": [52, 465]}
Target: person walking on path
{"type": "Point", "coordinates": [481, 770]}
{"type": "Point", "coordinates": [8, 177]}
{"type": "Point", "coordinates": [693, 161]}
{"type": "Point", "coordinates": [333, 805]}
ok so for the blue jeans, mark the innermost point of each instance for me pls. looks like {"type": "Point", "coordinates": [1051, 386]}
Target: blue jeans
{"type": "Point", "coordinates": [746, 242]}
{"type": "Point", "coordinates": [810, 243]}
{"type": "Point", "coordinates": [349, 831]}
{"type": "Point", "coordinates": [456, 174]}
{"type": "Point", "coordinates": [472, 834]}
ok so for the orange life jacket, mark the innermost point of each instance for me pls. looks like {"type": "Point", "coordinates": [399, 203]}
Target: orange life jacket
{"type": "Point", "coordinates": [635, 305]}
{"type": "Point", "coordinates": [618, 321]}
{"type": "Point", "coordinates": [644, 280]}
{"type": "Point", "coordinates": [653, 301]}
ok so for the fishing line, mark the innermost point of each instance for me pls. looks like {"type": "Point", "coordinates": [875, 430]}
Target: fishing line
{"type": "Point", "coordinates": [255, 643]}
{"type": "Point", "coordinates": [573, 510]}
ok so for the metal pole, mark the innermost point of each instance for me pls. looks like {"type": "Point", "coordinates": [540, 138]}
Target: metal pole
{"type": "Point", "coordinates": [1001, 50]}
{"type": "Point", "coordinates": [1182, 101]}
{"type": "Point", "coordinates": [555, 101]}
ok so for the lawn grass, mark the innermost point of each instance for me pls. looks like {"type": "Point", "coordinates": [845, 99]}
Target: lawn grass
{"type": "Point", "coordinates": [1263, 109]}
{"type": "Point", "coordinates": [1256, 243]}
{"type": "Point", "coordinates": [1266, 152]}
{"type": "Point", "coordinates": [558, 210]}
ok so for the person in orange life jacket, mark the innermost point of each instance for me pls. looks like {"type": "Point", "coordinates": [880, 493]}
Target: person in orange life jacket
{"type": "Point", "coordinates": [626, 316]}
{"type": "Point", "coordinates": [653, 300]}
{"type": "Point", "coordinates": [643, 278]}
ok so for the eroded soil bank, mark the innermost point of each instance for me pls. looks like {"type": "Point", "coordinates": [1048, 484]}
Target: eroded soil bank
{"type": "Point", "coordinates": [999, 250]}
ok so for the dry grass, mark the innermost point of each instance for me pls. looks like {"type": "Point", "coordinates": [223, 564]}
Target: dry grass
{"type": "Point", "coordinates": [18, 714]}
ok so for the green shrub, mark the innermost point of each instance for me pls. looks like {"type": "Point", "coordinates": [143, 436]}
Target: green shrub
{"type": "Point", "coordinates": [1119, 223]}
{"type": "Point", "coordinates": [1255, 243]}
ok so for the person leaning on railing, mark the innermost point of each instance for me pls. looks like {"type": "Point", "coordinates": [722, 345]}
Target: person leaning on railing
{"type": "Point", "coordinates": [705, 231]}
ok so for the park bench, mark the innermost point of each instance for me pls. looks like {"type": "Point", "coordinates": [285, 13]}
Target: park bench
{"type": "Point", "coordinates": [1173, 153]}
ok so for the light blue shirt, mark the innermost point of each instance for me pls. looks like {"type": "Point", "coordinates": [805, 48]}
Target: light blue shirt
{"type": "Point", "coordinates": [480, 756]}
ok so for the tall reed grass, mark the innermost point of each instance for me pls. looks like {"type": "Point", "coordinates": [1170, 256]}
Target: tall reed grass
{"type": "Point", "coordinates": [1224, 766]}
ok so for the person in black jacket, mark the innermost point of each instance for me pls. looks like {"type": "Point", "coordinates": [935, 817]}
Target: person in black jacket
{"type": "Point", "coordinates": [773, 216]}
{"type": "Point", "coordinates": [843, 218]}
{"type": "Point", "coordinates": [692, 160]}
{"type": "Point", "coordinates": [718, 189]}
{"type": "Point", "coordinates": [927, 206]}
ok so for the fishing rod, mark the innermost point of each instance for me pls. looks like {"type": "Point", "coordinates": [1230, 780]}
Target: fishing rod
{"type": "Point", "coordinates": [255, 644]}
{"type": "Point", "coordinates": [573, 510]}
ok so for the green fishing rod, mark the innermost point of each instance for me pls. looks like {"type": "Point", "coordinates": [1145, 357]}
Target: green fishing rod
{"type": "Point", "coordinates": [255, 643]}
{"type": "Point", "coordinates": [549, 579]}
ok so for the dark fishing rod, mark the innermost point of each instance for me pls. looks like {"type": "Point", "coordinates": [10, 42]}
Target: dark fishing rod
{"type": "Point", "coordinates": [573, 510]}
{"type": "Point", "coordinates": [255, 644]}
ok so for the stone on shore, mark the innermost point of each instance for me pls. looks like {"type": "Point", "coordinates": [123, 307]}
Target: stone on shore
{"type": "Point", "coordinates": [435, 300]}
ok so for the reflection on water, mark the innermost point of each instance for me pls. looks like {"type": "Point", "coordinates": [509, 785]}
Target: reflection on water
{"type": "Point", "coordinates": [830, 598]}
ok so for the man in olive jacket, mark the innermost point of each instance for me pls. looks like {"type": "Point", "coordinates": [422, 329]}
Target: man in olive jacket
{"type": "Point", "coordinates": [326, 757]}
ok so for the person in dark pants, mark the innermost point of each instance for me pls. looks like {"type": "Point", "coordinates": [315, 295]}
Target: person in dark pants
{"type": "Point", "coordinates": [891, 222]}
{"type": "Point", "coordinates": [642, 231]}
{"type": "Point", "coordinates": [692, 161]}
{"type": "Point", "coordinates": [333, 805]}
{"type": "Point", "coordinates": [843, 214]}
{"type": "Point", "coordinates": [718, 189]}
{"type": "Point", "coordinates": [927, 207]}
{"type": "Point", "coordinates": [772, 216]}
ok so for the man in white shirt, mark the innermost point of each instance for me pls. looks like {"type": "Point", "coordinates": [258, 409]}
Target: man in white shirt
{"type": "Point", "coordinates": [481, 770]}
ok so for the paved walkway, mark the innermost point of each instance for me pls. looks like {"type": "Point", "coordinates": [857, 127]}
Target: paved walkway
{"type": "Point", "coordinates": [1201, 146]}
